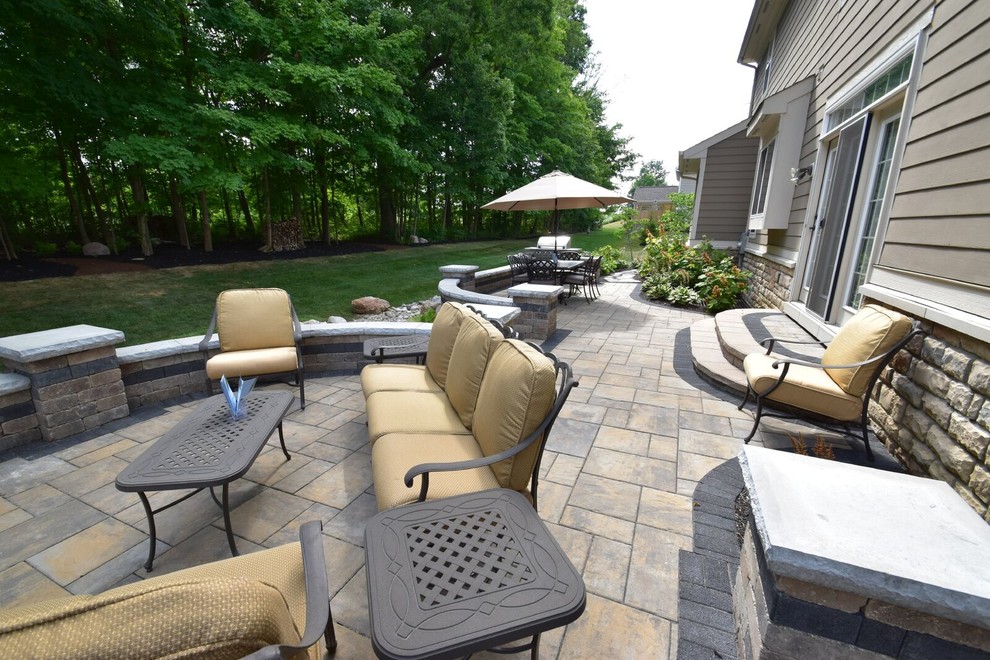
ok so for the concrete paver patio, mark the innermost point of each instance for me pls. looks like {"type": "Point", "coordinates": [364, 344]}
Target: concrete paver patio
{"type": "Point", "coordinates": [618, 476]}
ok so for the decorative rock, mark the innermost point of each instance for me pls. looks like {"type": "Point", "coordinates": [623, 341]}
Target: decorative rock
{"type": "Point", "coordinates": [416, 240]}
{"type": "Point", "coordinates": [336, 319]}
{"type": "Point", "coordinates": [95, 249]}
{"type": "Point", "coordinates": [369, 305]}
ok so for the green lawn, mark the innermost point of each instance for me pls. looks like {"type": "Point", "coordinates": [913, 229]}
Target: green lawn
{"type": "Point", "coordinates": [177, 302]}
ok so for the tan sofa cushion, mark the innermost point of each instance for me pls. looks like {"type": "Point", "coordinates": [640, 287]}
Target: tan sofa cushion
{"type": "Point", "coordinates": [443, 334]}
{"type": "Point", "coordinates": [807, 388]}
{"type": "Point", "coordinates": [255, 362]}
{"type": "Point", "coordinates": [403, 377]}
{"type": "Point", "coordinates": [516, 394]}
{"type": "Point", "coordinates": [411, 412]}
{"type": "Point", "coordinates": [468, 362]}
{"type": "Point", "coordinates": [254, 318]}
{"type": "Point", "coordinates": [873, 331]}
{"type": "Point", "coordinates": [222, 610]}
{"type": "Point", "coordinates": [393, 454]}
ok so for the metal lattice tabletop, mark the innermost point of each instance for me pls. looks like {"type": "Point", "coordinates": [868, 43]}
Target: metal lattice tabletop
{"type": "Point", "coordinates": [402, 346]}
{"type": "Point", "coordinates": [451, 577]}
{"type": "Point", "coordinates": [208, 448]}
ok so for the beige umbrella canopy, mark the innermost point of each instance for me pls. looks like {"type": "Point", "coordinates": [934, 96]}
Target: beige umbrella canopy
{"type": "Point", "coordinates": [554, 192]}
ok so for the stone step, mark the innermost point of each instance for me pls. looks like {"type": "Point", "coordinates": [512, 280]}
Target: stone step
{"type": "Point", "coordinates": [709, 360]}
{"type": "Point", "coordinates": [719, 344]}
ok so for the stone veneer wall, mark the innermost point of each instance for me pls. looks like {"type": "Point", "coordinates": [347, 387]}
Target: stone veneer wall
{"type": "Point", "coordinates": [933, 412]}
{"type": "Point", "coordinates": [770, 284]}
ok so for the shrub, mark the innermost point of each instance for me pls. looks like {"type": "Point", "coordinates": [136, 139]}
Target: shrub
{"type": "Point", "coordinates": [428, 315]}
{"type": "Point", "coordinates": [690, 276]}
{"type": "Point", "coordinates": [612, 259]}
{"type": "Point", "coordinates": [73, 248]}
{"type": "Point", "coordinates": [44, 249]}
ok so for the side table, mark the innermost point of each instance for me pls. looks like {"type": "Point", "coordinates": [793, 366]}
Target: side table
{"type": "Point", "coordinates": [401, 346]}
{"type": "Point", "coordinates": [450, 577]}
{"type": "Point", "coordinates": [207, 448]}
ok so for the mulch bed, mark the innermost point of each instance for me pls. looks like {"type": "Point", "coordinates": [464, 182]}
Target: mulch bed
{"type": "Point", "coordinates": [167, 255]}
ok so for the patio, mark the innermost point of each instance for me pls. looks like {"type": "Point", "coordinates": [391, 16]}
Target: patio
{"type": "Point", "coordinates": [618, 489]}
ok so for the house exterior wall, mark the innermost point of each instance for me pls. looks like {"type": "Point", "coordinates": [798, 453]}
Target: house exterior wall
{"type": "Point", "coordinates": [933, 241]}
{"type": "Point", "coordinates": [726, 184]}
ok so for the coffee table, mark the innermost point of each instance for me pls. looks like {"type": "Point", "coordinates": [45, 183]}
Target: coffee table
{"type": "Point", "coordinates": [402, 346]}
{"type": "Point", "coordinates": [450, 577]}
{"type": "Point", "coordinates": [206, 449]}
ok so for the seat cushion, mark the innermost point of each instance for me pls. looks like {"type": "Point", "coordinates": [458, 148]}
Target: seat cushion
{"type": "Point", "coordinates": [393, 454]}
{"type": "Point", "coordinates": [255, 362]}
{"type": "Point", "coordinates": [873, 331]}
{"type": "Point", "coordinates": [402, 377]}
{"type": "Point", "coordinates": [806, 388]}
{"type": "Point", "coordinates": [222, 610]}
{"type": "Point", "coordinates": [411, 412]}
{"type": "Point", "coordinates": [468, 361]}
{"type": "Point", "coordinates": [443, 334]}
{"type": "Point", "coordinates": [517, 393]}
{"type": "Point", "coordinates": [254, 318]}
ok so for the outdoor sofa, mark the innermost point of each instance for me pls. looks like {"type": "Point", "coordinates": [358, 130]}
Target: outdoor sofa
{"type": "Point", "coordinates": [475, 416]}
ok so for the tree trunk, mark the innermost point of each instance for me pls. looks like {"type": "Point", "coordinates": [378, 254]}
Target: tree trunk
{"type": "Point", "coordinates": [246, 210]}
{"type": "Point", "coordinates": [74, 209]}
{"type": "Point", "coordinates": [101, 216]}
{"type": "Point", "coordinates": [267, 210]}
{"type": "Point", "coordinates": [228, 213]}
{"type": "Point", "coordinates": [178, 213]}
{"type": "Point", "coordinates": [6, 242]}
{"type": "Point", "coordinates": [141, 210]}
{"type": "Point", "coordinates": [386, 212]}
{"type": "Point", "coordinates": [297, 213]}
{"type": "Point", "coordinates": [204, 221]}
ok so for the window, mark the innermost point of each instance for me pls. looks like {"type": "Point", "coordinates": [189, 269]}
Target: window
{"type": "Point", "coordinates": [887, 82]}
{"type": "Point", "coordinates": [762, 180]}
{"type": "Point", "coordinates": [881, 173]}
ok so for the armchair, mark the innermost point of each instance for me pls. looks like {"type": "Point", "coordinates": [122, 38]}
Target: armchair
{"type": "Point", "coordinates": [259, 335]}
{"type": "Point", "coordinates": [269, 604]}
{"type": "Point", "coordinates": [837, 390]}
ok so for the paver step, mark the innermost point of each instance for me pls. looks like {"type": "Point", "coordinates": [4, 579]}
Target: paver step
{"type": "Point", "coordinates": [709, 360]}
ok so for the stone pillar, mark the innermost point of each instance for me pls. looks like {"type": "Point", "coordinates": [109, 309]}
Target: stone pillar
{"type": "Point", "coordinates": [18, 421]}
{"type": "Point", "coordinates": [75, 378]}
{"type": "Point", "coordinates": [463, 274]}
{"type": "Point", "coordinates": [538, 302]}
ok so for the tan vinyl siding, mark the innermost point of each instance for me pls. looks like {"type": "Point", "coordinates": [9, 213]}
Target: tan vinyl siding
{"type": "Point", "coordinates": [940, 221]}
{"type": "Point", "coordinates": [723, 207]}
{"type": "Point", "coordinates": [834, 43]}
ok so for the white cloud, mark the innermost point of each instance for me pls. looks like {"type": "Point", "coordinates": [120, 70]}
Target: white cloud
{"type": "Point", "coordinates": [670, 70]}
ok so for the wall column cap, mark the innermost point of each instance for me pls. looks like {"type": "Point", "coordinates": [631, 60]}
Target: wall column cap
{"type": "Point", "coordinates": [36, 346]}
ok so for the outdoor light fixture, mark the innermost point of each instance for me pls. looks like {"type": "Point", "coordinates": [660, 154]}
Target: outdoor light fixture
{"type": "Point", "coordinates": [798, 174]}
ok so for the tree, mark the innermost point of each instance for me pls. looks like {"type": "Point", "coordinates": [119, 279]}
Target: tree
{"type": "Point", "coordinates": [652, 173]}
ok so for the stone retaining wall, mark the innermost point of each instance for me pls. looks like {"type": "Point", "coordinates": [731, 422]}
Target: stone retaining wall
{"type": "Point", "coordinates": [933, 412]}
{"type": "Point", "coordinates": [770, 284]}
{"type": "Point", "coordinates": [18, 422]}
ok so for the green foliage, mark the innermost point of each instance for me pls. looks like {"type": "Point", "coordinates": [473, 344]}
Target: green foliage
{"type": "Point", "coordinates": [690, 276]}
{"type": "Point", "coordinates": [677, 220]}
{"type": "Point", "coordinates": [612, 259]}
{"type": "Point", "coordinates": [73, 248]}
{"type": "Point", "coordinates": [428, 315]}
{"type": "Point", "coordinates": [651, 173]}
{"type": "Point", "coordinates": [44, 249]}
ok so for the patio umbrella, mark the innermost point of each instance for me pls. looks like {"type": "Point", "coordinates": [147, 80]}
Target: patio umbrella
{"type": "Point", "coordinates": [554, 192]}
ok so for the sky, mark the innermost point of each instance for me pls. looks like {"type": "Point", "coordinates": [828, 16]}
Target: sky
{"type": "Point", "coordinates": [669, 70]}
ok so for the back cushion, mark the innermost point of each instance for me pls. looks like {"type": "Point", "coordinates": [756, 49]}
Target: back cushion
{"type": "Point", "coordinates": [873, 331]}
{"type": "Point", "coordinates": [516, 394]}
{"type": "Point", "coordinates": [442, 338]}
{"type": "Point", "coordinates": [473, 347]}
{"type": "Point", "coordinates": [254, 318]}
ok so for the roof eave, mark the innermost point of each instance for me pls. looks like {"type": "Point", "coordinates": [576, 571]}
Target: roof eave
{"type": "Point", "coordinates": [762, 23]}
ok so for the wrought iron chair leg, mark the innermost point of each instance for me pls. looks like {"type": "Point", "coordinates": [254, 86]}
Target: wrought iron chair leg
{"type": "Point", "coordinates": [756, 422]}
{"type": "Point", "coordinates": [866, 439]}
{"type": "Point", "coordinates": [745, 398]}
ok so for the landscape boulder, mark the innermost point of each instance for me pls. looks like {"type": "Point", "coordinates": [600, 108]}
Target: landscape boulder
{"type": "Point", "coordinates": [369, 305]}
{"type": "Point", "coordinates": [95, 249]}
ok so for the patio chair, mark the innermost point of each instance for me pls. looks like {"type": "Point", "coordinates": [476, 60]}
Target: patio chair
{"type": "Point", "coordinates": [543, 271]}
{"type": "Point", "coordinates": [837, 390]}
{"type": "Point", "coordinates": [584, 278]}
{"type": "Point", "coordinates": [274, 603]}
{"type": "Point", "coordinates": [519, 265]}
{"type": "Point", "coordinates": [260, 335]}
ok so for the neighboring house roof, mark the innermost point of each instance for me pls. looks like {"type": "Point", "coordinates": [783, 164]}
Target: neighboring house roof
{"type": "Point", "coordinates": [653, 193]}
